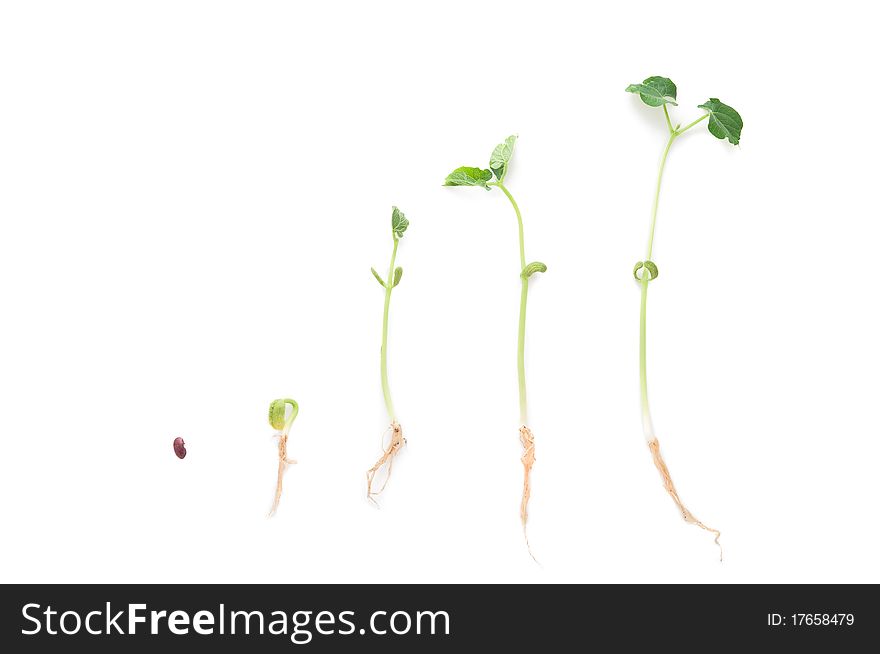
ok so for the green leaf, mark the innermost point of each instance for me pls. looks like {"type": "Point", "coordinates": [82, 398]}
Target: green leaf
{"type": "Point", "coordinates": [724, 121]}
{"type": "Point", "coordinates": [399, 223]}
{"type": "Point", "coordinates": [378, 279]}
{"type": "Point", "coordinates": [398, 273]}
{"type": "Point", "coordinates": [278, 417]}
{"type": "Point", "coordinates": [655, 91]}
{"type": "Point", "coordinates": [277, 413]}
{"type": "Point", "coordinates": [532, 268]}
{"type": "Point", "coordinates": [467, 176]}
{"type": "Point", "coordinates": [501, 157]}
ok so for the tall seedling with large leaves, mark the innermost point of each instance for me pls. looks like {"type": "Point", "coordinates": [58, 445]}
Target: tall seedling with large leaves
{"type": "Point", "coordinates": [399, 223]}
{"type": "Point", "coordinates": [490, 178]}
{"type": "Point", "coordinates": [723, 123]}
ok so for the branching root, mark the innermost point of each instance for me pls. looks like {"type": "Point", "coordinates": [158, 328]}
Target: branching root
{"type": "Point", "coordinates": [396, 442]}
{"type": "Point", "coordinates": [528, 460]}
{"type": "Point", "coordinates": [654, 446]}
{"type": "Point", "coordinates": [283, 462]}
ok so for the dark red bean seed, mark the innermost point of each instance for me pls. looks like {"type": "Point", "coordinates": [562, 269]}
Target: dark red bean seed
{"type": "Point", "coordinates": [179, 447]}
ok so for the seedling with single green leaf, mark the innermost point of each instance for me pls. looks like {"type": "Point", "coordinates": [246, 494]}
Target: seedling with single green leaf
{"type": "Point", "coordinates": [499, 162]}
{"type": "Point", "coordinates": [282, 413]}
{"type": "Point", "coordinates": [399, 223]}
{"type": "Point", "coordinates": [723, 123]}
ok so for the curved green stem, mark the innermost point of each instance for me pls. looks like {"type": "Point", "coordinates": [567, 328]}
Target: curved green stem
{"type": "Point", "coordinates": [643, 374]}
{"type": "Point", "coordinates": [672, 136]}
{"type": "Point", "coordinates": [523, 300]}
{"type": "Point", "coordinates": [386, 390]}
{"type": "Point", "coordinates": [522, 242]}
{"type": "Point", "coordinates": [643, 368]}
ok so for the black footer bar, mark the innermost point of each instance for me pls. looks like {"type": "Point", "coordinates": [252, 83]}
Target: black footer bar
{"type": "Point", "coordinates": [427, 618]}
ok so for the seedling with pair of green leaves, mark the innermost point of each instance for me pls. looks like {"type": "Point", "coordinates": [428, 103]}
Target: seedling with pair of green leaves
{"type": "Point", "coordinates": [282, 413]}
{"type": "Point", "coordinates": [399, 223]}
{"type": "Point", "coordinates": [490, 178]}
{"type": "Point", "coordinates": [724, 123]}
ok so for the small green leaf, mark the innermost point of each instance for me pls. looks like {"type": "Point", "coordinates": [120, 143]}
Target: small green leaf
{"type": "Point", "coordinates": [398, 273]}
{"type": "Point", "coordinates": [399, 223]}
{"type": "Point", "coordinates": [278, 417]}
{"type": "Point", "coordinates": [532, 268]}
{"type": "Point", "coordinates": [501, 157]}
{"type": "Point", "coordinates": [277, 412]}
{"type": "Point", "coordinates": [378, 279]}
{"type": "Point", "coordinates": [650, 266]}
{"type": "Point", "coordinates": [467, 176]}
{"type": "Point", "coordinates": [655, 91]}
{"type": "Point", "coordinates": [724, 121]}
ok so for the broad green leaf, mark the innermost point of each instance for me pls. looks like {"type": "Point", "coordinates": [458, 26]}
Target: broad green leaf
{"type": "Point", "coordinates": [655, 91]}
{"type": "Point", "coordinates": [724, 121]}
{"type": "Point", "coordinates": [378, 279]}
{"type": "Point", "coordinates": [399, 223]}
{"type": "Point", "coordinates": [532, 268]}
{"type": "Point", "coordinates": [501, 157]}
{"type": "Point", "coordinates": [398, 273]}
{"type": "Point", "coordinates": [467, 176]}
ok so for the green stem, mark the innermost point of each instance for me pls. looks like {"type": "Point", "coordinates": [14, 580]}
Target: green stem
{"type": "Point", "coordinates": [643, 370]}
{"type": "Point", "coordinates": [643, 367]}
{"type": "Point", "coordinates": [386, 390]}
{"type": "Point", "coordinates": [522, 242]}
{"type": "Point", "coordinates": [668, 120]}
{"type": "Point", "coordinates": [523, 300]}
{"type": "Point", "coordinates": [520, 351]}
{"type": "Point", "coordinates": [672, 136]}
{"type": "Point", "coordinates": [689, 125]}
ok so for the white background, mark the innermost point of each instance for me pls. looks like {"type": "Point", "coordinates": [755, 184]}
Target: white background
{"type": "Point", "coordinates": [192, 195]}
